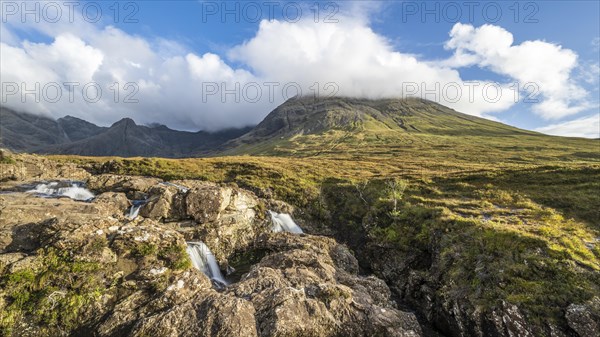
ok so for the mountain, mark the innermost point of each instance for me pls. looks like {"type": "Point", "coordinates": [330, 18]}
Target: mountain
{"type": "Point", "coordinates": [24, 132]}
{"type": "Point", "coordinates": [304, 116]}
{"type": "Point", "coordinates": [127, 139]}
{"type": "Point", "coordinates": [78, 129]}
{"type": "Point", "coordinates": [305, 127]}
{"type": "Point", "coordinates": [392, 127]}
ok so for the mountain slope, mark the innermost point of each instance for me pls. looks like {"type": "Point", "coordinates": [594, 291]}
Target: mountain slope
{"type": "Point", "coordinates": [392, 127]}
{"type": "Point", "coordinates": [78, 129]}
{"type": "Point", "coordinates": [127, 139]}
{"type": "Point", "coordinates": [22, 131]}
{"type": "Point", "coordinates": [300, 116]}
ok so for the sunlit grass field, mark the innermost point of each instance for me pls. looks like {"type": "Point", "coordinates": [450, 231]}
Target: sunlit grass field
{"type": "Point", "coordinates": [510, 216]}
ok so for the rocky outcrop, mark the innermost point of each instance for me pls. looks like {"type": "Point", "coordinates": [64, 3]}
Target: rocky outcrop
{"type": "Point", "coordinates": [165, 203]}
{"type": "Point", "coordinates": [225, 217]}
{"type": "Point", "coordinates": [85, 268]}
{"type": "Point", "coordinates": [229, 219]}
{"type": "Point", "coordinates": [136, 188]}
{"type": "Point", "coordinates": [306, 286]}
{"type": "Point", "coordinates": [23, 167]}
{"type": "Point", "coordinates": [585, 318]}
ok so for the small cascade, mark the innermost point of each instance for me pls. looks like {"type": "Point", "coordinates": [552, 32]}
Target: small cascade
{"type": "Point", "coordinates": [69, 189]}
{"type": "Point", "coordinates": [283, 222]}
{"type": "Point", "coordinates": [134, 210]}
{"type": "Point", "coordinates": [179, 187]}
{"type": "Point", "coordinates": [204, 260]}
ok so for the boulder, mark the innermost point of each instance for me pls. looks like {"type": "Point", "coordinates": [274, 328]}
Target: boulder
{"type": "Point", "coordinates": [584, 318]}
{"type": "Point", "coordinates": [115, 201]}
{"type": "Point", "coordinates": [206, 204]}
{"type": "Point", "coordinates": [227, 218]}
{"type": "Point", "coordinates": [165, 203]}
{"type": "Point", "coordinates": [136, 188]}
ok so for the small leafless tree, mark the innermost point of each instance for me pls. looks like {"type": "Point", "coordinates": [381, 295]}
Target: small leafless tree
{"type": "Point", "coordinates": [360, 187]}
{"type": "Point", "coordinates": [396, 188]}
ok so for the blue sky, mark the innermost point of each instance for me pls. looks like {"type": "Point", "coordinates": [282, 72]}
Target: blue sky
{"type": "Point", "coordinates": [171, 49]}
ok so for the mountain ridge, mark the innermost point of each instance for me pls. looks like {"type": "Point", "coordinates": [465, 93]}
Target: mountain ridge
{"type": "Point", "coordinates": [301, 126]}
{"type": "Point", "coordinates": [74, 136]}
{"type": "Point", "coordinates": [303, 123]}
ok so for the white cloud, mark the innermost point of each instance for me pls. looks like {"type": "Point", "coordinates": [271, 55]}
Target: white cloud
{"type": "Point", "coordinates": [588, 127]}
{"type": "Point", "coordinates": [170, 87]}
{"type": "Point", "coordinates": [547, 65]}
{"type": "Point", "coordinates": [360, 62]}
{"type": "Point", "coordinates": [172, 80]}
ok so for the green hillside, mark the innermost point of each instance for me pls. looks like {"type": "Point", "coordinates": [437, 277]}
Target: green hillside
{"type": "Point", "coordinates": [452, 211]}
{"type": "Point", "coordinates": [412, 130]}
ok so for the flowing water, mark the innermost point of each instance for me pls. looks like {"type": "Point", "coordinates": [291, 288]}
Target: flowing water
{"type": "Point", "coordinates": [179, 187]}
{"type": "Point", "coordinates": [73, 190]}
{"type": "Point", "coordinates": [204, 260]}
{"type": "Point", "coordinates": [134, 210]}
{"type": "Point", "coordinates": [283, 222]}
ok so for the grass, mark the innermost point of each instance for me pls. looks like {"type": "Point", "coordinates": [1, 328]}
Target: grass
{"type": "Point", "coordinates": [53, 295]}
{"type": "Point", "coordinates": [507, 214]}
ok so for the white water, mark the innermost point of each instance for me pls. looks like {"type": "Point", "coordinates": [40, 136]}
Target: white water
{"type": "Point", "coordinates": [204, 260]}
{"type": "Point", "coordinates": [179, 187]}
{"type": "Point", "coordinates": [134, 211]}
{"type": "Point", "coordinates": [283, 222]}
{"type": "Point", "coordinates": [53, 189]}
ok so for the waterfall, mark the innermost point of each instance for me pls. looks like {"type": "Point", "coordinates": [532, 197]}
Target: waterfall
{"type": "Point", "coordinates": [134, 210]}
{"type": "Point", "coordinates": [179, 187]}
{"type": "Point", "coordinates": [204, 260]}
{"type": "Point", "coordinates": [73, 190]}
{"type": "Point", "coordinates": [283, 222]}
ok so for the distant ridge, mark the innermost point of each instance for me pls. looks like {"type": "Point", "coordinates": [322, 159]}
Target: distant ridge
{"type": "Point", "coordinates": [303, 126]}
{"type": "Point", "coordinates": [23, 132]}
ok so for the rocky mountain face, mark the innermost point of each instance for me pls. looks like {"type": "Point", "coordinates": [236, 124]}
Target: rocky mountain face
{"type": "Point", "coordinates": [300, 120]}
{"type": "Point", "coordinates": [290, 125]}
{"type": "Point", "coordinates": [77, 129]}
{"type": "Point", "coordinates": [23, 132]}
{"type": "Point", "coordinates": [69, 135]}
{"type": "Point", "coordinates": [86, 268]}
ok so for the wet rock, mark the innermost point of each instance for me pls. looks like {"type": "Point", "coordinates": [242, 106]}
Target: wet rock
{"type": "Point", "coordinates": [227, 218]}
